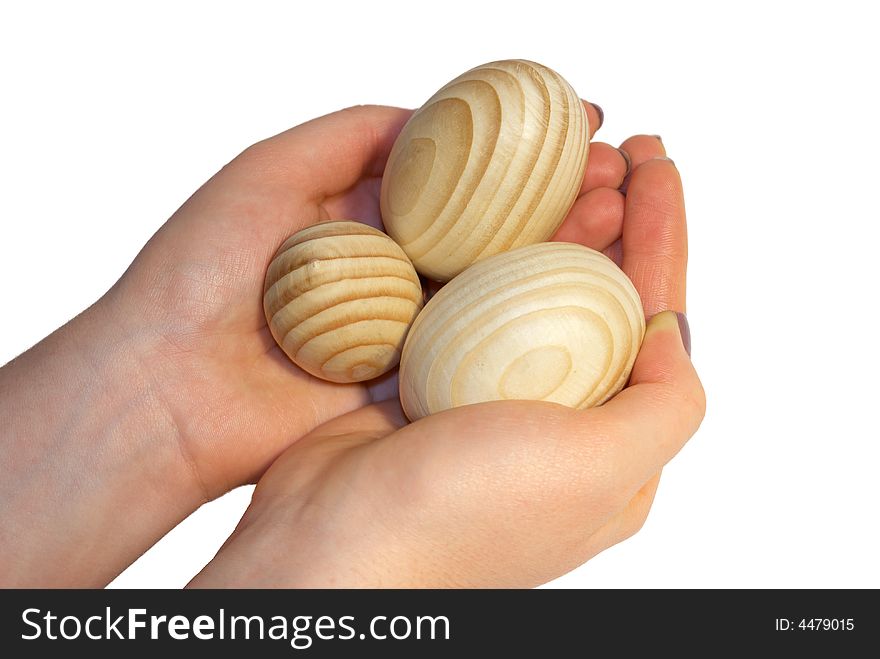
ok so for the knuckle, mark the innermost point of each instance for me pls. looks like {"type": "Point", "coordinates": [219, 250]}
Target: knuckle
{"type": "Point", "coordinates": [683, 391]}
{"type": "Point", "coordinates": [634, 523]}
{"type": "Point", "coordinates": [636, 514]}
{"type": "Point", "coordinates": [693, 399]}
{"type": "Point", "coordinates": [700, 399]}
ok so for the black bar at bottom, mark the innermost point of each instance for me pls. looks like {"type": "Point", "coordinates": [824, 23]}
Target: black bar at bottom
{"type": "Point", "coordinates": [319, 623]}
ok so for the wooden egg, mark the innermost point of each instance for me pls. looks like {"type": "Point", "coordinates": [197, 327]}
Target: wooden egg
{"type": "Point", "coordinates": [491, 162]}
{"type": "Point", "coordinates": [555, 322]}
{"type": "Point", "coordinates": [340, 298]}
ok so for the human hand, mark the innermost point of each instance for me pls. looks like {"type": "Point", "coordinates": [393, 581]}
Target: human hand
{"type": "Point", "coordinates": [510, 493]}
{"type": "Point", "coordinates": [170, 390]}
{"type": "Point", "coordinates": [193, 296]}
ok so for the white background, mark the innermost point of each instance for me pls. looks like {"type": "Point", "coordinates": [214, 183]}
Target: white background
{"type": "Point", "coordinates": [110, 116]}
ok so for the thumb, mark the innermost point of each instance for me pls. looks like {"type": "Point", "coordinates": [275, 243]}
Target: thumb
{"type": "Point", "coordinates": [664, 403]}
{"type": "Point", "coordinates": [665, 352]}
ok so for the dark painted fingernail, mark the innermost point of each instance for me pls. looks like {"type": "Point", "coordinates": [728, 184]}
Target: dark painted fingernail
{"type": "Point", "coordinates": [629, 162]}
{"type": "Point", "coordinates": [685, 329]}
{"type": "Point", "coordinates": [658, 138]}
{"type": "Point", "coordinates": [601, 114]}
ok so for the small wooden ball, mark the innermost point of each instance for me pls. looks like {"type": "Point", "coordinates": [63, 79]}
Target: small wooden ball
{"type": "Point", "coordinates": [493, 161]}
{"type": "Point", "coordinates": [555, 322]}
{"type": "Point", "coordinates": [340, 298]}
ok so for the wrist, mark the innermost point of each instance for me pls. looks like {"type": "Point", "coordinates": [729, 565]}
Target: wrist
{"type": "Point", "coordinates": [93, 473]}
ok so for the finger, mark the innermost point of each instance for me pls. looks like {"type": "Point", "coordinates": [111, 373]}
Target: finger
{"type": "Point", "coordinates": [595, 220]}
{"type": "Point", "coordinates": [654, 417]}
{"type": "Point", "coordinates": [325, 156]}
{"type": "Point", "coordinates": [376, 420]}
{"type": "Point", "coordinates": [654, 237]}
{"type": "Point", "coordinates": [642, 148]}
{"type": "Point", "coordinates": [614, 251]}
{"type": "Point", "coordinates": [595, 116]}
{"type": "Point", "coordinates": [311, 454]}
{"type": "Point", "coordinates": [360, 202]}
{"type": "Point", "coordinates": [606, 168]}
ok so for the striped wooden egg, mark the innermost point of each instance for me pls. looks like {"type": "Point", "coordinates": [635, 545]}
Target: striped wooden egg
{"type": "Point", "coordinates": [339, 299]}
{"type": "Point", "coordinates": [556, 322]}
{"type": "Point", "coordinates": [492, 161]}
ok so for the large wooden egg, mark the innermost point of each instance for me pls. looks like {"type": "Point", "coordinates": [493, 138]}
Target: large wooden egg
{"type": "Point", "coordinates": [491, 162]}
{"type": "Point", "coordinates": [340, 298]}
{"type": "Point", "coordinates": [555, 322]}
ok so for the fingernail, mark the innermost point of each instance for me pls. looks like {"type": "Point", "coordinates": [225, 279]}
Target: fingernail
{"type": "Point", "coordinates": [629, 162]}
{"type": "Point", "coordinates": [666, 158]}
{"type": "Point", "coordinates": [658, 138]}
{"type": "Point", "coordinates": [601, 114]}
{"type": "Point", "coordinates": [685, 329]}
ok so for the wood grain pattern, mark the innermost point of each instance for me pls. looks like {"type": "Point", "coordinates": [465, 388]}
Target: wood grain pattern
{"type": "Point", "coordinates": [339, 298]}
{"type": "Point", "coordinates": [493, 161]}
{"type": "Point", "coordinates": [555, 321]}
